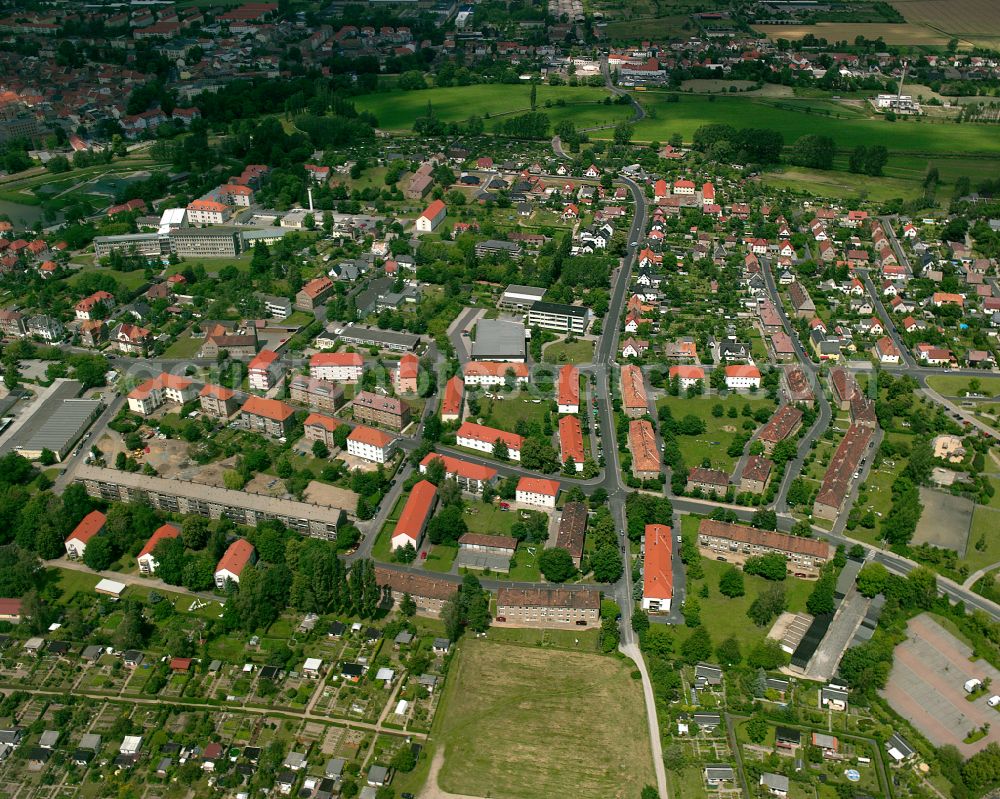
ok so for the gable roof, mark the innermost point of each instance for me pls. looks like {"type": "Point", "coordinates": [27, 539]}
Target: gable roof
{"type": "Point", "coordinates": [89, 526]}
{"type": "Point", "coordinates": [236, 557]}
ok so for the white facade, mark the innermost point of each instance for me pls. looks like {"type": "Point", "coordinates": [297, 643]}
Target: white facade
{"type": "Point", "coordinates": [369, 452]}
{"type": "Point", "coordinates": [349, 373]}
{"type": "Point", "coordinates": [146, 403]}
{"type": "Point", "coordinates": [75, 547]}
{"type": "Point", "coordinates": [536, 499]}
{"type": "Point", "coordinates": [735, 383]}
{"type": "Point", "coordinates": [485, 446]}
{"type": "Point", "coordinates": [224, 575]}
{"type": "Point", "coordinates": [495, 379]}
{"type": "Point", "coordinates": [259, 379]}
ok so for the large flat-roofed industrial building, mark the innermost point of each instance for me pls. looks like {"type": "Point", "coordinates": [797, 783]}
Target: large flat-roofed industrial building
{"type": "Point", "coordinates": [499, 340]}
{"type": "Point", "coordinates": [182, 496]}
{"type": "Point", "coordinates": [57, 424]}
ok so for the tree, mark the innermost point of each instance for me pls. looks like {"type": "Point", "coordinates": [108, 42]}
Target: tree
{"type": "Point", "coordinates": [405, 553]}
{"type": "Point", "coordinates": [556, 565]}
{"type": "Point", "coordinates": [407, 607]}
{"type": "Point", "coordinates": [100, 553]}
{"type": "Point", "coordinates": [765, 519]}
{"type": "Point", "coordinates": [813, 151]}
{"type": "Point", "coordinates": [132, 630]}
{"type": "Point", "coordinates": [500, 450]}
{"type": "Point", "coordinates": [757, 727]}
{"type": "Point", "coordinates": [448, 525]}
{"type": "Point", "coordinates": [170, 559]}
{"type": "Point", "coordinates": [766, 654]}
{"type": "Point", "coordinates": [728, 652]}
{"type": "Point", "coordinates": [623, 133]}
{"type": "Point", "coordinates": [320, 450]}
{"type": "Point", "coordinates": [767, 605]}
{"type": "Point", "coordinates": [872, 579]}
{"type": "Point", "coordinates": [692, 612]}
{"type": "Point", "coordinates": [697, 647]}
{"type": "Point", "coordinates": [731, 583]}
{"type": "Point", "coordinates": [47, 457]}
{"type": "Point", "coordinates": [772, 566]}
{"type": "Point", "coordinates": [821, 599]}
{"type": "Point", "coordinates": [606, 562]}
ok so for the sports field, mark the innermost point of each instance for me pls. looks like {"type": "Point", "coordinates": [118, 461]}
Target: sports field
{"type": "Point", "coordinates": [847, 126]}
{"type": "Point", "coordinates": [520, 722]}
{"type": "Point", "coordinates": [396, 110]}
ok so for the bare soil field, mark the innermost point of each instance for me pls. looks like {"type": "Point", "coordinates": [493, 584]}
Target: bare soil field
{"type": "Point", "coordinates": [907, 33]}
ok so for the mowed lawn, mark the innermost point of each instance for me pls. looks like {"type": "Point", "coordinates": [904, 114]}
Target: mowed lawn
{"type": "Point", "coordinates": [724, 617]}
{"type": "Point", "coordinates": [956, 386]}
{"type": "Point", "coordinates": [396, 110]}
{"type": "Point", "coordinates": [576, 352]}
{"type": "Point", "coordinates": [848, 131]}
{"type": "Point", "coordinates": [505, 414]}
{"type": "Point", "coordinates": [522, 722]}
{"type": "Point", "coordinates": [720, 431]}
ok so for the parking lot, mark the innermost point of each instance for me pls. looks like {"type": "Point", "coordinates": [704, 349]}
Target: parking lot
{"type": "Point", "coordinates": [926, 687]}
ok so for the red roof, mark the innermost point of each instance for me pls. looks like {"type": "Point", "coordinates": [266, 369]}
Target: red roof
{"type": "Point", "coordinates": [336, 359]}
{"type": "Point", "coordinates": [263, 359]}
{"type": "Point", "coordinates": [571, 439]}
{"type": "Point", "coordinates": [456, 466]}
{"type": "Point", "coordinates": [657, 576]}
{"type": "Point", "coordinates": [569, 385]}
{"type": "Point", "coordinates": [433, 209]}
{"type": "Point", "coordinates": [268, 408]}
{"type": "Point", "coordinates": [687, 372]}
{"type": "Point", "coordinates": [180, 664]}
{"type": "Point", "coordinates": [409, 365]}
{"type": "Point", "coordinates": [161, 534]}
{"type": "Point", "coordinates": [369, 435]}
{"type": "Point", "coordinates": [494, 369]}
{"type": "Point", "coordinates": [453, 392]}
{"type": "Point", "coordinates": [538, 485]}
{"type": "Point", "coordinates": [317, 286]}
{"type": "Point", "coordinates": [742, 370]}
{"type": "Point", "coordinates": [418, 507]}
{"type": "Point", "coordinates": [90, 526]}
{"type": "Point", "coordinates": [219, 392]}
{"type": "Point", "coordinates": [236, 557]}
{"type": "Point", "coordinates": [489, 435]}
{"type": "Point", "coordinates": [10, 607]}
{"type": "Point", "coordinates": [322, 421]}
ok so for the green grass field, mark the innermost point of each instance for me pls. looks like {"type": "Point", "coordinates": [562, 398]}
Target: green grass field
{"type": "Point", "coordinates": [489, 519]}
{"type": "Point", "coordinates": [522, 722]}
{"type": "Point", "coordinates": [184, 347]}
{"type": "Point", "coordinates": [504, 414]}
{"type": "Point", "coordinates": [441, 558]}
{"type": "Point", "coordinates": [720, 431]}
{"type": "Point", "coordinates": [956, 386]}
{"type": "Point", "coordinates": [849, 130]}
{"type": "Point", "coordinates": [725, 617]}
{"type": "Point", "coordinates": [130, 281]}
{"type": "Point", "coordinates": [73, 582]}
{"type": "Point", "coordinates": [985, 523]}
{"type": "Point", "coordinates": [576, 352]}
{"type": "Point", "coordinates": [841, 185]}
{"type": "Point", "coordinates": [396, 110]}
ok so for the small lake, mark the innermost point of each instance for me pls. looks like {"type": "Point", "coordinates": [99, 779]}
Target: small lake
{"type": "Point", "coordinates": [21, 215]}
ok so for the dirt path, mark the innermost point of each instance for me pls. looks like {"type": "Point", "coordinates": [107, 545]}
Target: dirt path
{"type": "Point", "coordinates": [431, 789]}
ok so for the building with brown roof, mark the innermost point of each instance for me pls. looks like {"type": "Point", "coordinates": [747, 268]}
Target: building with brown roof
{"type": "Point", "coordinates": [755, 474]}
{"type": "Point", "coordinates": [564, 606]}
{"type": "Point", "coordinates": [734, 543]}
{"type": "Point", "coordinates": [483, 551]}
{"type": "Point", "coordinates": [708, 480]}
{"type": "Point", "coordinates": [799, 390]}
{"type": "Point", "coordinates": [844, 464]}
{"type": "Point", "coordinates": [573, 530]}
{"type": "Point", "coordinates": [646, 461]}
{"type": "Point", "coordinates": [429, 593]}
{"type": "Point", "coordinates": [218, 401]}
{"type": "Point", "coordinates": [845, 387]}
{"type": "Point", "coordinates": [323, 395]}
{"type": "Point", "coordinates": [318, 427]}
{"type": "Point", "coordinates": [314, 293]}
{"type": "Point", "coordinates": [802, 303]}
{"type": "Point", "coordinates": [380, 410]}
{"type": "Point", "coordinates": [219, 338]}
{"type": "Point", "coordinates": [268, 416]}
{"type": "Point", "coordinates": [634, 400]}
{"type": "Point", "coordinates": [785, 422]}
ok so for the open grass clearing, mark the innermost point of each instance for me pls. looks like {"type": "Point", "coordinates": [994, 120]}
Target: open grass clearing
{"type": "Point", "coordinates": [441, 558]}
{"type": "Point", "coordinates": [840, 185]}
{"type": "Point", "coordinates": [185, 346]}
{"type": "Point", "coordinates": [724, 616]}
{"type": "Point", "coordinates": [72, 582]}
{"type": "Point", "coordinates": [130, 281]}
{"type": "Point", "coordinates": [483, 518]}
{"type": "Point", "coordinates": [506, 413]}
{"type": "Point", "coordinates": [957, 386]}
{"type": "Point", "coordinates": [579, 351]}
{"type": "Point", "coordinates": [559, 718]}
{"type": "Point", "coordinates": [985, 523]}
{"type": "Point", "coordinates": [719, 431]}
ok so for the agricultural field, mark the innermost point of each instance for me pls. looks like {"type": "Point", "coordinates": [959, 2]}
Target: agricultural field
{"type": "Point", "coordinates": [396, 110]}
{"type": "Point", "coordinates": [841, 185]}
{"type": "Point", "coordinates": [559, 718]}
{"type": "Point", "coordinates": [902, 33]}
{"type": "Point", "coordinates": [796, 118]}
{"type": "Point", "coordinates": [975, 23]}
